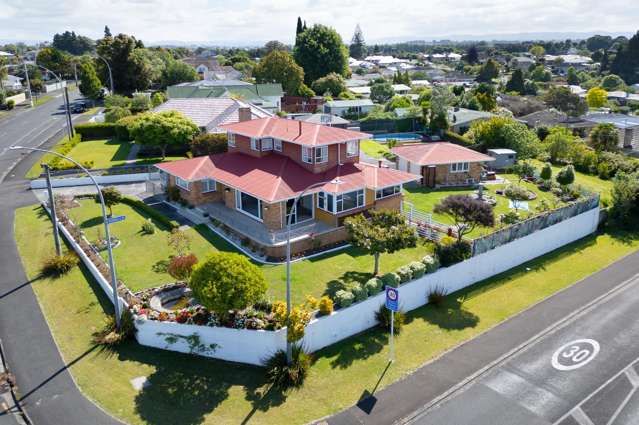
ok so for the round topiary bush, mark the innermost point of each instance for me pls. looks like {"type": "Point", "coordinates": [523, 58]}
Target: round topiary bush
{"type": "Point", "coordinates": [227, 281]}
{"type": "Point", "coordinates": [373, 286]}
{"type": "Point", "coordinates": [391, 279]}
{"type": "Point", "coordinates": [431, 262]}
{"type": "Point", "coordinates": [359, 292]}
{"type": "Point", "coordinates": [344, 298]}
{"type": "Point", "coordinates": [418, 269]}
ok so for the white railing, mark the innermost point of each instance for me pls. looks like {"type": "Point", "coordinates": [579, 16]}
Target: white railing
{"type": "Point", "coordinates": [424, 223]}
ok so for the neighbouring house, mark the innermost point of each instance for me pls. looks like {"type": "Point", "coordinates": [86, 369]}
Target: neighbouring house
{"type": "Point", "coordinates": [460, 119]}
{"type": "Point", "coordinates": [208, 68]}
{"type": "Point", "coordinates": [553, 118]}
{"type": "Point", "coordinates": [355, 107]}
{"type": "Point", "coordinates": [420, 83]}
{"type": "Point", "coordinates": [523, 63]}
{"type": "Point", "coordinates": [11, 82]}
{"type": "Point", "coordinates": [400, 89]}
{"type": "Point", "coordinates": [441, 163]}
{"type": "Point", "coordinates": [299, 104]}
{"type": "Point", "coordinates": [627, 127]}
{"type": "Point", "coordinates": [271, 161]}
{"type": "Point", "coordinates": [324, 119]}
{"type": "Point", "coordinates": [504, 158]}
{"type": "Point", "coordinates": [210, 113]}
{"type": "Point", "coordinates": [267, 96]}
{"type": "Point", "coordinates": [559, 64]}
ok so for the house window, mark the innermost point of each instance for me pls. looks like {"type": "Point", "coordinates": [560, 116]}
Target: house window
{"type": "Point", "coordinates": [350, 200]}
{"type": "Point", "coordinates": [182, 183]}
{"type": "Point", "coordinates": [459, 167]}
{"type": "Point", "coordinates": [254, 144]}
{"type": "Point", "coordinates": [303, 212]}
{"type": "Point", "coordinates": [231, 139]}
{"type": "Point", "coordinates": [248, 204]}
{"type": "Point", "coordinates": [267, 144]}
{"type": "Point", "coordinates": [208, 185]}
{"type": "Point", "coordinates": [325, 202]}
{"type": "Point", "coordinates": [352, 148]}
{"type": "Point", "coordinates": [307, 155]}
{"type": "Point", "coordinates": [387, 191]}
{"type": "Point", "coordinates": [321, 154]}
{"type": "Point", "coordinates": [277, 145]}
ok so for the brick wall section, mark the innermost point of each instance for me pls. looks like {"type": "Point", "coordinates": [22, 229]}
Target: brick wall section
{"type": "Point", "coordinates": [195, 195]}
{"type": "Point", "coordinates": [390, 203]}
{"type": "Point", "coordinates": [444, 176]}
{"type": "Point", "coordinates": [243, 144]}
{"type": "Point", "coordinates": [273, 215]}
{"type": "Point", "coordinates": [229, 197]}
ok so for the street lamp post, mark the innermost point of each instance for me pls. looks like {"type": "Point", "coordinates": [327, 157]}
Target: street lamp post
{"type": "Point", "coordinates": [66, 100]}
{"type": "Point", "coordinates": [114, 281]}
{"type": "Point", "coordinates": [289, 345]}
{"type": "Point", "coordinates": [110, 74]}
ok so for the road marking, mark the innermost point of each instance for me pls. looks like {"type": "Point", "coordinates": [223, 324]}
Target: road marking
{"type": "Point", "coordinates": [581, 417]}
{"type": "Point", "coordinates": [632, 376]}
{"type": "Point", "coordinates": [575, 354]}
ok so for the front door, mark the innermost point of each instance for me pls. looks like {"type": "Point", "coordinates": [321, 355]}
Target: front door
{"type": "Point", "coordinates": [429, 173]}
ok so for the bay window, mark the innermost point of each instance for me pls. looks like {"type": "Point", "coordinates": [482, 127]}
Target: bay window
{"type": "Point", "coordinates": [254, 144]}
{"type": "Point", "coordinates": [307, 155]}
{"type": "Point", "coordinates": [321, 154]}
{"type": "Point", "coordinates": [387, 191]}
{"type": "Point", "coordinates": [350, 200]}
{"type": "Point", "coordinates": [277, 144]}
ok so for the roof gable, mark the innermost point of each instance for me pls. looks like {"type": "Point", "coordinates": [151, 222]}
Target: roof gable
{"type": "Point", "coordinates": [437, 153]}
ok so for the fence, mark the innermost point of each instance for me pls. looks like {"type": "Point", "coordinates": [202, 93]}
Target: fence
{"type": "Point", "coordinates": [391, 126]}
{"type": "Point", "coordinates": [423, 222]}
{"type": "Point", "coordinates": [531, 225]}
{"type": "Point", "coordinates": [86, 181]}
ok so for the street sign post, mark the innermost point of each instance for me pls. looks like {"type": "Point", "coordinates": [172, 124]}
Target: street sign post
{"type": "Point", "coordinates": [115, 219]}
{"type": "Point", "coordinates": [392, 303]}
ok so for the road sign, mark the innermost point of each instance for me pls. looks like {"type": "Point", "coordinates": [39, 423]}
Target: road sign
{"type": "Point", "coordinates": [112, 220]}
{"type": "Point", "coordinates": [392, 298]}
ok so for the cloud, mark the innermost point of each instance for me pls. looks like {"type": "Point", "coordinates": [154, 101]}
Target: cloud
{"type": "Point", "coordinates": [258, 20]}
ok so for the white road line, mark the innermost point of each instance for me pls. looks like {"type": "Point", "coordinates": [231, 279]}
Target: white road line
{"type": "Point", "coordinates": [581, 417]}
{"type": "Point", "coordinates": [632, 376]}
{"type": "Point", "coordinates": [621, 406]}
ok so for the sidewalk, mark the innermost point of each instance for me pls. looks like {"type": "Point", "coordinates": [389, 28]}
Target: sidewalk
{"type": "Point", "coordinates": [402, 398]}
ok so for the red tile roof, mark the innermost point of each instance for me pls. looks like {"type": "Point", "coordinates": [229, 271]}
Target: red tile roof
{"type": "Point", "coordinates": [275, 177]}
{"type": "Point", "coordinates": [435, 153]}
{"type": "Point", "coordinates": [294, 131]}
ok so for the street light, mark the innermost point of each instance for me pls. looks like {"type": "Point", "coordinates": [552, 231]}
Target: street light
{"type": "Point", "coordinates": [289, 346]}
{"type": "Point", "coordinates": [65, 96]}
{"type": "Point", "coordinates": [114, 281]}
{"type": "Point", "coordinates": [110, 74]}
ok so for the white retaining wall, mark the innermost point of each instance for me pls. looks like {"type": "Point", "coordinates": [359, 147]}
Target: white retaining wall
{"type": "Point", "coordinates": [18, 98]}
{"type": "Point", "coordinates": [85, 181]}
{"type": "Point", "coordinates": [251, 346]}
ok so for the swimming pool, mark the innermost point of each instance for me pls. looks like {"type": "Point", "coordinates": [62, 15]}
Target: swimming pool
{"type": "Point", "coordinates": [397, 136]}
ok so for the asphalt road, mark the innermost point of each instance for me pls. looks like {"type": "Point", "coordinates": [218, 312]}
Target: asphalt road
{"type": "Point", "coordinates": [45, 387]}
{"type": "Point", "coordinates": [32, 127]}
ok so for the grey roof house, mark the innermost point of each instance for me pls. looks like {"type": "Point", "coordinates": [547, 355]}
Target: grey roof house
{"type": "Point", "coordinates": [627, 127]}
{"type": "Point", "coordinates": [267, 96]}
{"type": "Point", "coordinates": [460, 119]}
{"type": "Point", "coordinates": [343, 107]}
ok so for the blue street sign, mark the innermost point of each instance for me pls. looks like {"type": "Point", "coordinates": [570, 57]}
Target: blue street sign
{"type": "Point", "coordinates": [112, 220]}
{"type": "Point", "coordinates": [392, 298]}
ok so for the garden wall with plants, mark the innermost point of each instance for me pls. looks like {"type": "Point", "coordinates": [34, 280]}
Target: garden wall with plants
{"type": "Point", "coordinates": [252, 346]}
{"type": "Point", "coordinates": [86, 181]}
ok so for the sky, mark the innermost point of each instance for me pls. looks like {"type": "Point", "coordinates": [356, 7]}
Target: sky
{"type": "Point", "coordinates": [254, 21]}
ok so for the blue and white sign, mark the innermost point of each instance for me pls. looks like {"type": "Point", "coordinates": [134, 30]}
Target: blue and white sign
{"type": "Point", "coordinates": [392, 298]}
{"type": "Point", "coordinates": [112, 220]}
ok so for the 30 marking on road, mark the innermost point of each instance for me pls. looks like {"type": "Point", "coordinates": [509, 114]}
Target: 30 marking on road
{"type": "Point", "coordinates": [575, 354]}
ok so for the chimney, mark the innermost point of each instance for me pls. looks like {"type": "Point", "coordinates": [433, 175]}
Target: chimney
{"type": "Point", "coordinates": [379, 163]}
{"type": "Point", "coordinates": [245, 113]}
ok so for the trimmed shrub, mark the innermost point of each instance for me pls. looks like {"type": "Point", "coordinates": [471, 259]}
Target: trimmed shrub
{"type": "Point", "coordinates": [418, 269]}
{"type": "Point", "coordinates": [391, 279]}
{"type": "Point", "coordinates": [516, 193]}
{"type": "Point", "coordinates": [148, 228]}
{"type": "Point", "coordinates": [383, 316]}
{"type": "Point", "coordinates": [209, 144]}
{"type": "Point", "coordinates": [373, 286]}
{"type": "Point", "coordinates": [431, 262]}
{"type": "Point", "coordinates": [11, 104]}
{"type": "Point", "coordinates": [436, 296]}
{"type": "Point", "coordinates": [450, 254]}
{"type": "Point", "coordinates": [325, 306]}
{"type": "Point", "coordinates": [57, 163]}
{"type": "Point", "coordinates": [511, 217]}
{"type": "Point", "coordinates": [344, 298]}
{"type": "Point", "coordinates": [405, 274]}
{"type": "Point", "coordinates": [359, 292]}
{"type": "Point", "coordinates": [55, 266]}
{"type": "Point", "coordinates": [458, 139]}
{"type": "Point", "coordinates": [153, 214]}
{"type": "Point", "coordinates": [122, 127]}
{"type": "Point", "coordinates": [96, 130]}
{"type": "Point", "coordinates": [282, 375]}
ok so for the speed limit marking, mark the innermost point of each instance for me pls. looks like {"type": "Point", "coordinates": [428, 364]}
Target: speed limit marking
{"type": "Point", "coordinates": [575, 354]}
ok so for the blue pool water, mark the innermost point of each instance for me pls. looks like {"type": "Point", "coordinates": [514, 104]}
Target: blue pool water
{"type": "Point", "coordinates": [397, 136]}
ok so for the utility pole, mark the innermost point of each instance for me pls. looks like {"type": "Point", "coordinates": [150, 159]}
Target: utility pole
{"type": "Point", "coordinates": [26, 75]}
{"type": "Point", "coordinates": [75, 74]}
{"type": "Point", "coordinates": [69, 121]}
{"type": "Point", "coordinates": [54, 216]}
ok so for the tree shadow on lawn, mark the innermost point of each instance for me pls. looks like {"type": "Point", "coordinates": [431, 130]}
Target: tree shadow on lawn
{"type": "Point", "coordinates": [346, 282]}
{"type": "Point", "coordinates": [91, 222]}
{"type": "Point", "coordinates": [625, 236]}
{"type": "Point", "coordinates": [359, 347]}
{"type": "Point", "coordinates": [122, 153]}
{"type": "Point", "coordinates": [450, 315]}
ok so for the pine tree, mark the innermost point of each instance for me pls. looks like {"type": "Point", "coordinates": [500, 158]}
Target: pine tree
{"type": "Point", "coordinates": [472, 56]}
{"type": "Point", "coordinates": [90, 85]}
{"type": "Point", "coordinates": [304, 28]}
{"type": "Point", "coordinates": [357, 49]}
{"type": "Point", "coordinates": [107, 31]}
{"type": "Point", "coordinates": [516, 82]}
{"type": "Point", "coordinates": [605, 62]}
{"type": "Point", "coordinates": [299, 28]}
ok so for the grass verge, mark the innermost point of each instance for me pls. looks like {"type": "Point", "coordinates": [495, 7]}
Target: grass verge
{"type": "Point", "coordinates": [192, 390]}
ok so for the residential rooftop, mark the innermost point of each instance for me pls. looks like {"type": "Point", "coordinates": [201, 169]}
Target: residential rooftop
{"type": "Point", "coordinates": [437, 153]}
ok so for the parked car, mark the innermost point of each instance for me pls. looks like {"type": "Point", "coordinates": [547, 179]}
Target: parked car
{"type": "Point", "coordinates": [78, 108]}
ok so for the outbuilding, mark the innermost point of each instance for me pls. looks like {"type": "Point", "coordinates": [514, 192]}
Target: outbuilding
{"type": "Point", "coordinates": [504, 158]}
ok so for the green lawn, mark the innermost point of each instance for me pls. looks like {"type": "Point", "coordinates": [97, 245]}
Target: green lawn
{"type": "Point", "coordinates": [138, 253]}
{"type": "Point", "coordinates": [42, 99]}
{"type": "Point", "coordinates": [593, 183]}
{"type": "Point", "coordinates": [425, 199]}
{"type": "Point", "coordinates": [373, 149]}
{"type": "Point", "coordinates": [190, 390]}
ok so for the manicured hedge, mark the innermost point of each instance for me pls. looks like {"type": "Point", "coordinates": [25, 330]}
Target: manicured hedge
{"type": "Point", "coordinates": [96, 130]}
{"type": "Point", "coordinates": [457, 138]}
{"type": "Point", "coordinates": [151, 212]}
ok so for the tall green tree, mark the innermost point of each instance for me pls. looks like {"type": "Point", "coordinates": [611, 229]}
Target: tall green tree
{"type": "Point", "coordinates": [382, 92]}
{"type": "Point", "coordinates": [571, 76]}
{"type": "Point", "coordinates": [563, 99]}
{"type": "Point", "coordinates": [516, 82]}
{"type": "Point", "coordinates": [488, 71]}
{"type": "Point", "coordinates": [357, 48]}
{"type": "Point", "coordinates": [604, 137]}
{"type": "Point", "coordinates": [130, 71]}
{"type": "Point", "coordinates": [472, 56]}
{"type": "Point", "coordinates": [55, 60]}
{"type": "Point", "coordinates": [385, 232]}
{"type": "Point", "coordinates": [319, 51]}
{"type": "Point", "coordinates": [176, 72]}
{"type": "Point", "coordinates": [90, 84]}
{"type": "Point", "coordinates": [332, 83]}
{"type": "Point", "coordinates": [69, 42]}
{"type": "Point", "coordinates": [626, 62]}
{"type": "Point", "coordinates": [280, 67]}
{"type": "Point", "coordinates": [300, 28]}
{"type": "Point", "coordinates": [504, 132]}
{"type": "Point", "coordinates": [163, 129]}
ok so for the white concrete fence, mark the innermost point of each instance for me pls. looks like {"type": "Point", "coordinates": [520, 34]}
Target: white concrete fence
{"type": "Point", "coordinates": [86, 181]}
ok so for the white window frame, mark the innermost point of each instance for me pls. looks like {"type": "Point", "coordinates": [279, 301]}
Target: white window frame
{"type": "Point", "coordinates": [230, 137]}
{"type": "Point", "coordinates": [277, 145]}
{"type": "Point", "coordinates": [206, 185]}
{"type": "Point", "coordinates": [238, 205]}
{"type": "Point", "coordinates": [396, 189]}
{"type": "Point", "coordinates": [323, 154]}
{"type": "Point", "coordinates": [340, 199]}
{"type": "Point", "coordinates": [459, 167]}
{"type": "Point", "coordinates": [307, 155]}
{"type": "Point", "coordinates": [254, 144]}
{"type": "Point", "coordinates": [350, 152]}
{"type": "Point", "coordinates": [266, 144]}
{"type": "Point", "coordinates": [181, 183]}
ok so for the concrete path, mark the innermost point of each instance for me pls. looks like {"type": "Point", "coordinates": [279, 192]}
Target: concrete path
{"type": "Point", "coordinates": [133, 154]}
